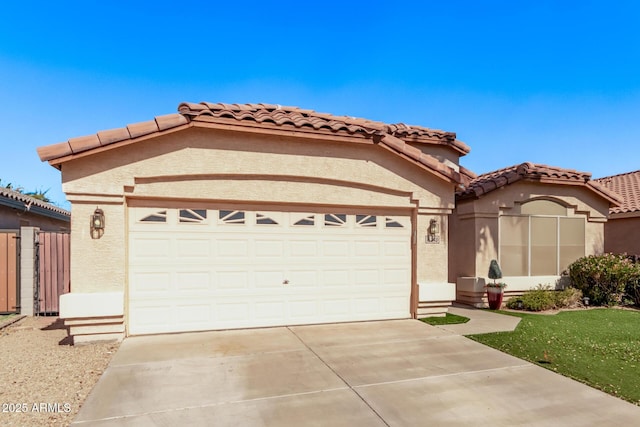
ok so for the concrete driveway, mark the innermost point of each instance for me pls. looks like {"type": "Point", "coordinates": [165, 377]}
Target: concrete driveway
{"type": "Point", "coordinates": [389, 373]}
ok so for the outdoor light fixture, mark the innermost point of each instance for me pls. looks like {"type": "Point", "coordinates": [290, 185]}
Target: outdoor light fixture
{"type": "Point", "coordinates": [97, 223]}
{"type": "Point", "coordinates": [433, 234]}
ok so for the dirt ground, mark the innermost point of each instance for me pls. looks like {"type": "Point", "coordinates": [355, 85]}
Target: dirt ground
{"type": "Point", "coordinates": [43, 379]}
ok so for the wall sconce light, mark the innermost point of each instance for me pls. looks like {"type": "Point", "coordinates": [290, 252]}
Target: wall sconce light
{"type": "Point", "coordinates": [433, 232]}
{"type": "Point", "coordinates": [97, 223]}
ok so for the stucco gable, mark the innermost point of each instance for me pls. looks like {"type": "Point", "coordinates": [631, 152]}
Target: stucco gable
{"type": "Point", "coordinates": [488, 182]}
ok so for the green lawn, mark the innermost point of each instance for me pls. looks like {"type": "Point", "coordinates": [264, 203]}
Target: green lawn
{"type": "Point", "coordinates": [600, 347]}
{"type": "Point", "coordinates": [448, 319]}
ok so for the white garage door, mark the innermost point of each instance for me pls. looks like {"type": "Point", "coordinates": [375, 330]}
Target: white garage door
{"type": "Point", "coordinates": [205, 269]}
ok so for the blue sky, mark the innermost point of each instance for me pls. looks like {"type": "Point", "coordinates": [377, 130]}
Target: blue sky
{"type": "Point", "coordinates": [554, 82]}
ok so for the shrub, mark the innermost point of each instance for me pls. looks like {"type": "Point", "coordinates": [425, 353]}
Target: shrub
{"type": "Point", "coordinates": [544, 298]}
{"type": "Point", "coordinates": [538, 299]}
{"type": "Point", "coordinates": [567, 298]}
{"type": "Point", "coordinates": [605, 278]}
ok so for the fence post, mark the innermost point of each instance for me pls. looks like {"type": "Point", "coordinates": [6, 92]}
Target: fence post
{"type": "Point", "coordinates": [27, 269]}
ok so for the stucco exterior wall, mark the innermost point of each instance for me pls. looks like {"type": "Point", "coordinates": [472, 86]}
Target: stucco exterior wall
{"type": "Point", "coordinates": [622, 235]}
{"type": "Point", "coordinates": [231, 168]}
{"type": "Point", "coordinates": [475, 232]}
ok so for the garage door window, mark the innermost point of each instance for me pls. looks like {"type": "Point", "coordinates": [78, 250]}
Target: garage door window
{"type": "Point", "coordinates": [392, 223]}
{"type": "Point", "coordinates": [307, 221]}
{"type": "Point", "coordinates": [335, 220]}
{"type": "Point", "coordinates": [366, 220]}
{"type": "Point", "coordinates": [160, 216]}
{"type": "Point", "coordinates": [193, 215]}
{"type": "Point", "coordinates": [231, 217]}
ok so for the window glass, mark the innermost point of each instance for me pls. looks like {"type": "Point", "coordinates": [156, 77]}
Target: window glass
{"type": "Point", "coordinates": [192, 215]}
{"type": "Point", "coordinates": [335, 220]}
{"type": "Point", "coordinates": [544, 246]}
{"type": "Point", "coordinates": [514, 242]}
{"type": "Point", "coordinates": [366, 220]}
{"type": "Point", "coordinates": [231, 217]}
{"type": "Point", "coordinates": [391, 223]}
{"type": "Point", "coordinates": [263, 219]}
{"type": "Point", "coordinates": [572, 241]}
{"type": "Point", "coordinates": [156, 217]}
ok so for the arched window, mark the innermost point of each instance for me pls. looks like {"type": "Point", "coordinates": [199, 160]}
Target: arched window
{"type": "Point", "coordinates": [542, 241]}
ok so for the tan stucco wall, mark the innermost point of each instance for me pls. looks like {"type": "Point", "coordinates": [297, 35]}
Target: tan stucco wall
{"type": "Point", "coordinates": [475, 222]}
{"type": "Point", "coordinates": [622, 235]}
{"type": "Point", "coordinates": [223, 167]}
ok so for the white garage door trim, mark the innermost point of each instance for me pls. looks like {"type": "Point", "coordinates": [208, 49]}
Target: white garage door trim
{"type": "Point", "coordinates": [206, 269]}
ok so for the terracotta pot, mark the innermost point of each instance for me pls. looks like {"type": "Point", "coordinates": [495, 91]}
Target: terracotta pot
{"type": "Point", "coordinates": [494, 295]}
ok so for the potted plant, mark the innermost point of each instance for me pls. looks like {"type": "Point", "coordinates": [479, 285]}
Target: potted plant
{"type": "Point", "coordinates": [495, 290]}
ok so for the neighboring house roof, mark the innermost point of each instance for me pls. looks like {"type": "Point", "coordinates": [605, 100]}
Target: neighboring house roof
{"type": "Point", "coordinates": [16, 200]}
{"type": "Point", "coordinates": [268, 118]}
{"type": "Point", "coordinates": [627, 185]}
{"type": "Point", "coordinates": [490, 181]}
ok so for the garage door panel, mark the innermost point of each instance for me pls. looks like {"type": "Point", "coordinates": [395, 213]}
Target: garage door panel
{"type": "Point", "coordinates": [265, 279]}
{"type": "Point", "coordinates": [146, 248]}
{"type": "Point", "coordinates": [367, 305]}
{"type": "Point", "coordinates": [303, 310]}
{"type": "Point", "coordinates": [192, 249]}
{"type": "Point", "coordinates": [152, 281]}
{"type": "Point", "coordinates": [366, 248]}
{"type": "Point", "coordinates": [269, 312]}
{"type": "Point", "coordinates": [336, 278]}
{"type": "Point", "coordinates": [191, 313]}
{"type": "Point", "coordinates": [302, 278]}
{"type": "Point", "coordinates": [232, 279]}
{"type": "Point", "coordinates": [232, 248]}
{"type": "Point", "coordinates": [335, 248]}
{"type": "Point", "coordinates": [269, 248]}
{"type": "Point", "coordinates": [237, 311]}
{"type": "Point", "coordinates": [242, 270]}
{"type": "Point", "coordinates": [369, 277]}
{"type": "Point", "coordinates": [302, 248]}
{"type": "Point", "coordinates": [193, 280]}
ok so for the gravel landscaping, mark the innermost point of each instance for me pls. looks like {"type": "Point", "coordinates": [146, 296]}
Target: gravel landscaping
{"type": "Point", "coordinates": [43, 379]}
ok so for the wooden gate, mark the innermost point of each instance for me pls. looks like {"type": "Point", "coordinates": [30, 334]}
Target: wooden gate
{"type": "Point", "coordinates": [9, 259]}
{"type": "Point", "coordinates": [53, 271]}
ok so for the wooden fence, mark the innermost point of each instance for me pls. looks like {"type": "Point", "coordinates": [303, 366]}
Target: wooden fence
{"type": "Point", "coordinates": [53, 271]}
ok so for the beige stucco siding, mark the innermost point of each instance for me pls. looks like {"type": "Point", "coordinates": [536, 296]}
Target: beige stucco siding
{"type": "Point", "coordinates": [231, 168]}
{"type": "Point", "coordinates": [98, 265]}
{"type": "Point", "coordinates": [197, 152]}
{"type": "Point", "coordinates": [476, 222]}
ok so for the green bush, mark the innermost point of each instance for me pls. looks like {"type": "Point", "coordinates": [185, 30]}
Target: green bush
{"type": "Point", "coordinates": [538, 299]}
{"type": "Point", "coordinates": [606, 278]}
{"type": "Point", "coordinates": [544, 298]}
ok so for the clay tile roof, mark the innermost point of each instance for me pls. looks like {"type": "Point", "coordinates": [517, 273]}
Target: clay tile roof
{"type": "Point", "coordinates": [490, 181]}
{"type": "Point", "coordinates": [111, 136]}
{"type": "Point", "coordinates": [627, 185]}
{"type": "Point", "coordinates": [273, 116]}
{"type": "Point", "coordinates": [15, 199]}
{"type": "Point", "coordinates": [301, 118]}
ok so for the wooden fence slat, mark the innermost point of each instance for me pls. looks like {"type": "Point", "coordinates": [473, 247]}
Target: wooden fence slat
{"type": "Point", "coordinates": [8, 272]}
{"type": "Point", "coordinates": [4, 273]}
{"type": "Point", "coordinates": [12, 264]}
